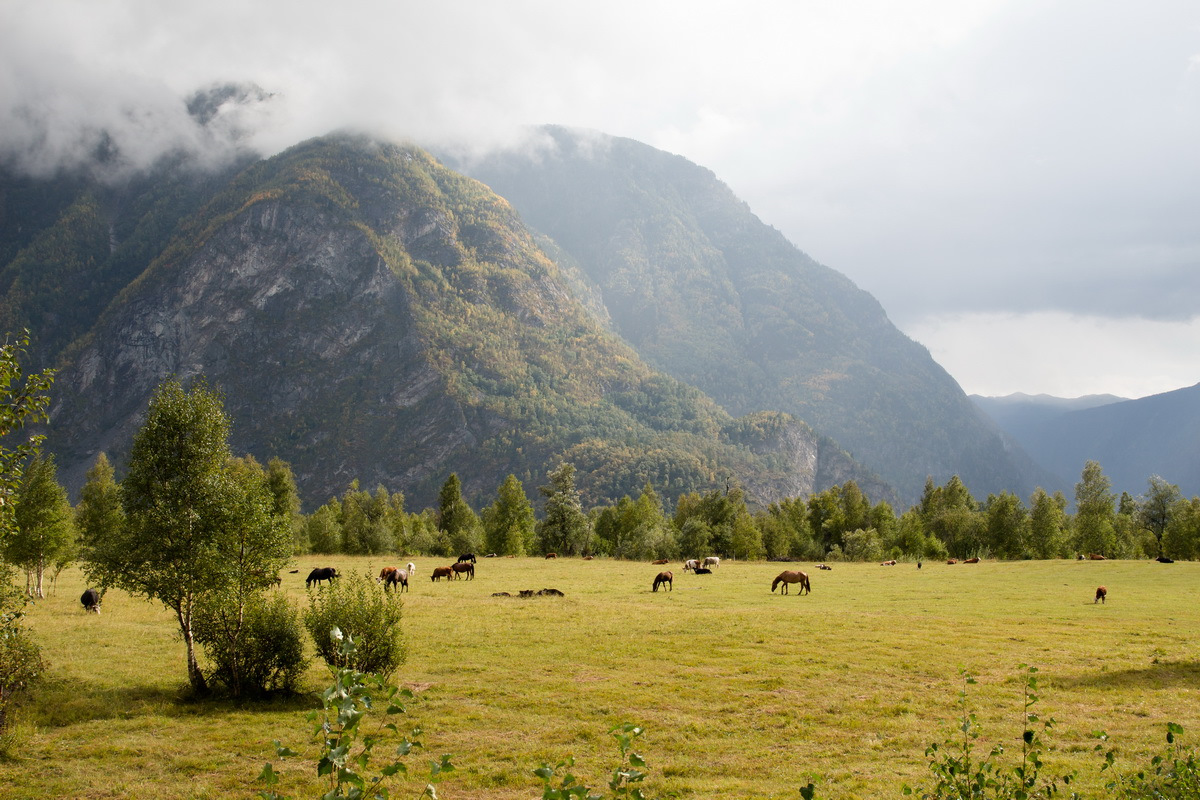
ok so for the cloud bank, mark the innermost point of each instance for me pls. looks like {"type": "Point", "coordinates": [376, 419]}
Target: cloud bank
{"type": "Point", "coordinates": [975, 161]}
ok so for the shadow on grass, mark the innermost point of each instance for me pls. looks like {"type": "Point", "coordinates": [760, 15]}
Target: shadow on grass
{"type": "Point", "coordinates": [57, 703]}
{"type": "Point", "coordinates": [1162, 675]}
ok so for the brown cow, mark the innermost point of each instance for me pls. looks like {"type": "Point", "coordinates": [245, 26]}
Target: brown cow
{"type": "Point", "coordinates": [1101, 593]}
{"type": "Point", "coordinates": [442, 572]}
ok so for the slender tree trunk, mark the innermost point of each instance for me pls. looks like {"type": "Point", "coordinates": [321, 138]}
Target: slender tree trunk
{"type": "Point", "coordinates": [195, 676]}
{"type": "Point", "coordinates": [41, 570]}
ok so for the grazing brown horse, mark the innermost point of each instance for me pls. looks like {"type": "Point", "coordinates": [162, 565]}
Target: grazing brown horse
{"type": "Point", "coordinates": [790, 576]}
{"type": "Point", "coordinates": [385, 573]}
{"type": "Point", "coordinates": [1101, 593]}
{"type": "Point", "coordinates": [464, 566]}
{"type": "Point", "coordinates": [551, 555]}
{"type": "Point", "coordinates": [321, 574]}
{"type": "Point", "coordinates": [442, 572]}
{"type": "Point", "coordinates": [664, 577]}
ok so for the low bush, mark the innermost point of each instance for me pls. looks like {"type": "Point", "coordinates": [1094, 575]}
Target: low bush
{"type": "Point", "coordinates": [361, 608]}
{"type": "Point", "coordinates": [20, 667]}
{"type": "Point", "coordinates": [261, 653]}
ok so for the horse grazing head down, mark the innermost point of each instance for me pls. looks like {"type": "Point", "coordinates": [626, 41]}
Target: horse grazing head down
{"type": "Point", "coordinates": [789, 577]}
{"type": "Point", "coordinates": [1101, 594]}
{"type": "Point", "coordinates": [321, 574]}
{"type": "Point", "coordinates": [664, 577]}
{"type": "Point", "coordinates": [441, 572]}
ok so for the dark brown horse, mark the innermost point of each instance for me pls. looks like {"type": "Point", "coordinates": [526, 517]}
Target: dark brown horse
{"type": "Point", "coordinates": [790, 576]}
{"type": "Point", "coordinates": [442, 572]}
{"type": "Point", "coordinates": [464, 567]}
{"type": "Point", "coordinates": [1101, 593]}
{"type": "Point", "coordinates": [664, 577]}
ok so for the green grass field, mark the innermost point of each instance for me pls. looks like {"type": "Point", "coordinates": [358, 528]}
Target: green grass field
{"type": "Point", "coordinates": [744, 693]}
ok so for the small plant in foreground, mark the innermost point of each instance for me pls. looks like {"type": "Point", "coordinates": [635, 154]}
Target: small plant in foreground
{"type": "Point", "coordinates": [1174, 773]}
{"type": "Point", "coordinates": [346, 750]}
{"type": "Point", "coordinates": [624, 781]}
{"type": "Point", "coordinates": [959, 773]}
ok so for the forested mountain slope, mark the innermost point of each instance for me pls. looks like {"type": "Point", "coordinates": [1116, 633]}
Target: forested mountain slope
{"type": "Point", "coordinates": [370, 315]}
{"type": "Point", "coordinates": [706, 291]}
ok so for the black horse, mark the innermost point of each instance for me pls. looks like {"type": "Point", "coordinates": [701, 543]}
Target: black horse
{"type": "Point", "coordinates": [321, 574]}
{"type": "Point", "coordinates": [467, 557]}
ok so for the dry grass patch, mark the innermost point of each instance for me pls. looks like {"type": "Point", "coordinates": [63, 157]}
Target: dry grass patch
{"type": "Point", "coordinates": [744, 693]}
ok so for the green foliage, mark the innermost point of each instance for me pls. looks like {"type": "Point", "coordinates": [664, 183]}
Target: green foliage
{"type": "Point", "coordinates": [20, 659]}
{"type": "Point", "coordinates": [509, 523]}
{"type": "Point", "coordinates": [959, 773]}
{"type": "Point", "coordinates": [456, 519]}
{"type": "Point", "coordinates": [347, 748]}
{"type": "Point", "coordinates": [24, 399]}
{"type": "Point", "coordinates": [355, 604]}
{"type": "Point", "coordinates": [45, 532]}
{"type": "Point", "coordinates": [1173, 773]}
{"type": "Point", "coordinates": [99, 512]}
{"type": "Point", "coordinates": [564, 529]}
{"type": "Point", "coordinates": [1095, 513]}
{"type": "Point", "coordinates": [626, 778]}
{"type": "Point", "coordinates": [254, 652]}
{"type": "Point", "coordinates": [198, 524]}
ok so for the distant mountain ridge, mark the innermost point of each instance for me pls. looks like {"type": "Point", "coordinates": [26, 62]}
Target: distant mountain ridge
{"type": "Point", "coordinates": [1131, 439]}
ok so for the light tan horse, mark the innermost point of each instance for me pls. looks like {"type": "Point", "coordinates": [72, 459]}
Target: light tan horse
{"type": "Point", "coordinates": [789, 576]}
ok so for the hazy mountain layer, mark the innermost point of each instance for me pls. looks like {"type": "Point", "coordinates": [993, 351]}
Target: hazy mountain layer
{"type": "Point", "coordinates": [1132, 439]}
{"type": "Point", "coordinates": [369, 315]}
{"type": "Point", "coordinates": [704, 290]}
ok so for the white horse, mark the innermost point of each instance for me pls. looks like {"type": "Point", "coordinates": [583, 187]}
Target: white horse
{"type": "Point", "coordinates": [712, 561]}
{"type": "Point", "coordinates": [691, 563]}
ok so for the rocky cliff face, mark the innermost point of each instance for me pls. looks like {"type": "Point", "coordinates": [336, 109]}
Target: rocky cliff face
{"type": "Point", "coordinates": [370, 315]}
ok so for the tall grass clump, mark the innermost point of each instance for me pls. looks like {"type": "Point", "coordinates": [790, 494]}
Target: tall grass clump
{"type": "Point", "coordinates": [363, 609]}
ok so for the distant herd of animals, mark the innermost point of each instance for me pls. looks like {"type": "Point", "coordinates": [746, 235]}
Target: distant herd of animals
{"type": "Point", "coordinates": [392, 577]}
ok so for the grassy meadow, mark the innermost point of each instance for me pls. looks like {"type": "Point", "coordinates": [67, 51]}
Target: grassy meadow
{"type": "Point", "coordinates": [744, 693]}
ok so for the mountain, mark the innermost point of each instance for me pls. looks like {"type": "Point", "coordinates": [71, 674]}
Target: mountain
{"type": "Point", "coordinates": [368, 315]}
{"type": "Point", "coordinates": [1131, 439]}
{"type": "Point", "coordinates": [708, 293]}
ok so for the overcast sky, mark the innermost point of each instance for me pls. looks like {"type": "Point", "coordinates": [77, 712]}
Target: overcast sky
{"type": "Point", "coordinates": [1018, 183]}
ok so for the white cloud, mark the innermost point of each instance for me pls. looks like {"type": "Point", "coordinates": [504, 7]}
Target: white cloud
{"type": "Point", "coordinates": [1061, 354]}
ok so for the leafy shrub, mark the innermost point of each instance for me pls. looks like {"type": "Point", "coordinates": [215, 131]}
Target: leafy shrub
{"type": "Point", "coordinates": [20, 667]}
{"type": "Point", "coordinates": [361, 608]}
{"type": "Point", "coordinates": [262, 654]}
